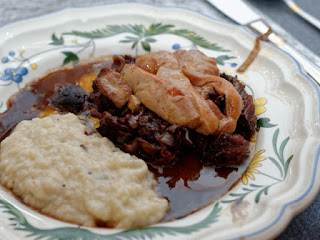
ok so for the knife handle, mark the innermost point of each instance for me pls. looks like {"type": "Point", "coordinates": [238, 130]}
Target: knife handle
{"type": "Point", "coordinates": [261, 27]}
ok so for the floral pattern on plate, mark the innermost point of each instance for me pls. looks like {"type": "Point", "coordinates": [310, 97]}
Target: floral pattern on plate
{"type": "Point", "coordinates": [275, 167]}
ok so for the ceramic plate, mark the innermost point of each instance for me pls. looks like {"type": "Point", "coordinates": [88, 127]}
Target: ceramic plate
{"type": "Point", "coordinates": [282, 178]}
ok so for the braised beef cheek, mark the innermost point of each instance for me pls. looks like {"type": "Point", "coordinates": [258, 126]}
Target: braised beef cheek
{"type": "Point", "coordinates": [158, 142]}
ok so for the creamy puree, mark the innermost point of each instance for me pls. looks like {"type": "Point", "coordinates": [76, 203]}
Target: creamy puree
{"type": "Point", "coordinates": [53, 166]}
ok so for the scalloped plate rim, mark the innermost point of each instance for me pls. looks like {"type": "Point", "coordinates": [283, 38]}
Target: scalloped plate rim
{"type": "Point", "coordinates": [315, 171]}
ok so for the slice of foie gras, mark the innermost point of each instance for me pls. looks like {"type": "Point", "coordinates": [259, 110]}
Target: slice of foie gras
{"type": "Point", "coordinates": [161, 96]}
{"type": "Point", "coordinates": [153, 61]}
{"type": "Point", "coordinates": [166, 65]}
{"type": "Point", "coordinates": [202, 71]}
{"type": "Point", "coordinates": [112, 85]}
{"type": "Point", "coordinates": [197, 63]}
{"type": "Point", "coordinates": [209, 121]}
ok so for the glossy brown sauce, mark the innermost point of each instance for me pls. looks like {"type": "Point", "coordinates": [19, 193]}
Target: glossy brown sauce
{"type": "Point", "coordinates": [188, 185]}
{"type": "Point", "coordinates": [34, 99]}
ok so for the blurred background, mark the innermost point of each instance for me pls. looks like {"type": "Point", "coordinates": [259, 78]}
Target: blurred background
{"type": "Point", "coordinates": [299, 33]}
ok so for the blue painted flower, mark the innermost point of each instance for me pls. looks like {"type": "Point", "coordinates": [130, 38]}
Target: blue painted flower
{"type": "Point", "coordinates": [176, 46]}
{"type": "Point", "coordinates": [14, 74]}
{"type": "Point", "coordinates": [4, 59]}
{"type": "Point", "coordinates": [234, 64]}
{"type": "Point", "coordinates": [12, 53]}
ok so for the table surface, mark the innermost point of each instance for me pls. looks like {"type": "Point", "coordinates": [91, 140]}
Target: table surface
{"type": "Point", "coordinates": [294, 29]}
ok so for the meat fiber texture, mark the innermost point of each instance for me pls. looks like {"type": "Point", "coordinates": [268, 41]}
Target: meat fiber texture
{"type": "Point", "coordinates": [158, 142]}
{"type": "Point", "coordinates": [53, 166]}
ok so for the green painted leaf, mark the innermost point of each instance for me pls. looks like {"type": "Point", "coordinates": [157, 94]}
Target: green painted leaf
{"type": "Point", "coordinates": [265, 123]}
{"type": "Point", "coordinates": [158, 28]}
{"type": "Point", "coordinates": [150, 40]}
{"type": "Point", "coordinates": [112, 30]}
{"type": "Point", "coordinates": [255, 185]}
{"type": "Point", "coordinates": [108, 31]}
{"type": "Point", "coordinates": [228, 201]}
{"type": "Point", "coordinates": [275, 162]}
{"type": "Point", "coordinates": [1, 103]}
{"type": "Point", "coordinates": [274, 144]}
{"type": "Point", "coordinates": [146, 46]}
{"type": "Point", "coordinates": [70, 57]}
{"type": "Point", "coordinates": [196, 39]}
{"type": "Point", "coordinates": [286, 166]}
{"type": "Point", "coordinates": [130, 39]}
{"type": "Point", "coordinates": [56, 41]}
{"type": "Point", "coordinates": [236, 194]}
{"type": "Point", "coordinates": [239, 201]}
{"type": "Point", "coordinates": [262, 191]}
{"type": "Point", "coordinates": [247, 189]}
{"type": "Point", "coordinates": [282, 147]}
{"type": "Point", "coordinates": [126, 41]}
{"type": "Point", "coordinates": [257, 198]}
{"type": "Point", "coordinates": [134, 44]}
{"type": "Point", "coordinates": [139, 29]}
{"type": "Point", "coordinates": [220, 60]}
{"type": "Point", "coordinates": [19, 222]}
{"type": "Point", "coordinates": [133, 38]}
{"type": "Point", "coordinates": [8, 208]}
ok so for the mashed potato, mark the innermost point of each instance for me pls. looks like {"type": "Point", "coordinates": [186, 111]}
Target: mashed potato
{"type": "Point", "coordinates": [53, 166]}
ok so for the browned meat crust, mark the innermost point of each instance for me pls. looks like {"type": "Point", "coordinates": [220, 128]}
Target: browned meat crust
{"type": "Point", "coordinates": [222, 149]}
{"type": "Point", "coordinates": [145, 134]}
{"type": "Point", "coordinates": [111, 84]}
{"type": "Point", "coordinates": [247, 120]}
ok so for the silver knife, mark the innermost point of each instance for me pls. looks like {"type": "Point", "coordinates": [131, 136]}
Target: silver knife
{"type": "Point", "coordinates": [241, 13]}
